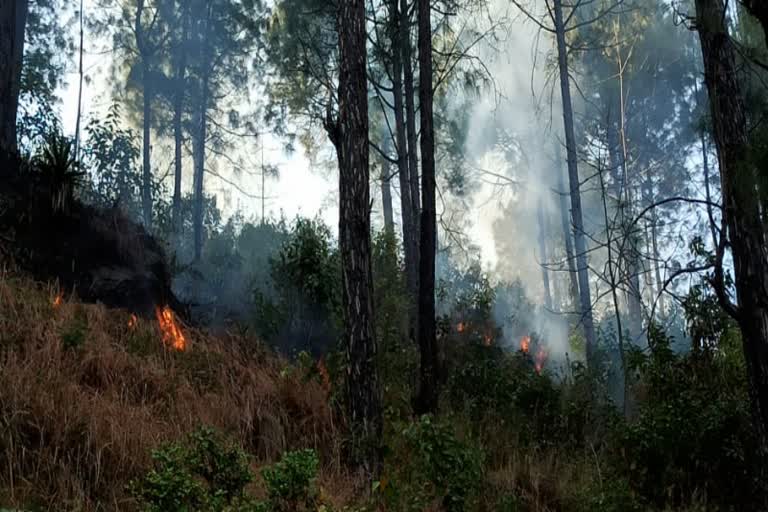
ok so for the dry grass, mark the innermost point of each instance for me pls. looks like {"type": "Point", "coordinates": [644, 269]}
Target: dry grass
{"type": "Point", "coordinates": [84, 398]}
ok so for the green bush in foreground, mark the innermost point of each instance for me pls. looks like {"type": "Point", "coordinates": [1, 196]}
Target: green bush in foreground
{"type": "Point", "coordinates": [205, 474]}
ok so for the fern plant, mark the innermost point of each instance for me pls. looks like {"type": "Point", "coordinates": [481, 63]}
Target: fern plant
{"type": "Point", "coordinates": [58, 169]}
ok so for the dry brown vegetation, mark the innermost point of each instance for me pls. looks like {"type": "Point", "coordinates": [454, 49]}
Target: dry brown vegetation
{"type": "Point", "coordinates": [86, 394]}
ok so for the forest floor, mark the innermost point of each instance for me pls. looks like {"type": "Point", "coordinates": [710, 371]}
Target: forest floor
{"type": "Point", "coordinates": [87, 393]}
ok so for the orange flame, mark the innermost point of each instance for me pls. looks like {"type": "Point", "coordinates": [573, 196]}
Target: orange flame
{"type": "Point", "coordinates": [57, 300]}
{"type": "Point", "coordinates": [325, 377]}
{"type": "Point", "coordinates": [172, 334]}
{"type": "Point", "coordinates": [133, 321]}
{"type": "Point", "coordinates": [461, 327]}
{"type": "Point", "coordinates": [541, 358]}
{"type": "Point", "coordinates": [525, 344]}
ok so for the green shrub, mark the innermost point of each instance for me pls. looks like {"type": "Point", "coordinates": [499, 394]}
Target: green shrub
{"type": "Point", "coordinates": [430, 463]}
{"type": "Point", "coordinates": [692, 434]}
{"type": "Point", "coordinates": [201, 474]}
{"type": "Point", "coordinates": [74, 334]}
{"type": "Point", "coordinates": [291, 481]}
{"type": "Point", "coordinates": [613, 495]}
{"type": "Point", "coordinates": [494, 385]}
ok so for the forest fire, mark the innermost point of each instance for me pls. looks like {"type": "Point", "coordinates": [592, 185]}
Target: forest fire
{"type": "Point", "coordinates": [57, 300]}
{"type": "Point", "coordinates": [133, 321]}
{"type": "Point", "coordinates": [525, 344]}
{"type": "Point", "coordinates": [172, 335]}
{"type": "Point", "coordinates": [461, 327]}
{"type": "Point", "coordinates": [541, 358]}
{"type": "Point", "coordinates": [325, 376]}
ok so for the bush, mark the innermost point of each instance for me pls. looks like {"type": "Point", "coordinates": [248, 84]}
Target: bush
{"type": "Point", "coordinates": [291, 481]}
{"type": "Point", "coordinates": [431, 463]}
{"type": "Point", "coordinates": [692, 434]}
{"type": "Point", "coordinates": [202, 473]}
{"type": "Point", "coordinates": [494, 385]}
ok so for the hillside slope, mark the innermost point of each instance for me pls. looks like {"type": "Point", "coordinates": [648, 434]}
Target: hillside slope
{"type": "Point", "coordinates": [86, 393]}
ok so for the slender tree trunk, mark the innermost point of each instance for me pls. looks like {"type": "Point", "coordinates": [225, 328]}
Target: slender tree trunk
{"type": "Point", "coordinates": [741, 203]}
{"type": "Point", "coordinates": [410, 118]}
{"type": "Point", "coordinates": [386, 203]}
{"type": "Point", "coordinates": [613, 282]}
{"type": "Point", "coordinates": [385, 177]}
{"type": "Point", "coordinates": [178, 133]}
{"type": "Point", "coordinates": [543, 256]}
{"type": "Point", "coordinates": [146, 182]}
{"type": "Point", "coordinates": [428, 393]}
{"type": "Point", "coordinates": [364, 400]}
{"type": "Point", "coordinates": [200, 140]}
{"type": "Point", "coordinates": [80, 88]}
{"type": "Point", "coordinates": [565, 218]}
{"type": "Point", "coordinates": [178, 143]}
{"type": "Point", "coordinates": [13, 21]}
{"type": "Point", "coordinates": [410, 231]}
{"type": "Point", "coordinates": [585, 300]}
{"type": "Point", "coordinates": [634, 300]}
{"type": "Point", "coordinates": [655, 253]}
{"type": "Point", "coordinates": [199, 174]}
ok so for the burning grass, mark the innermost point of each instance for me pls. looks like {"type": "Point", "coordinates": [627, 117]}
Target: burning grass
{"type": "Point", "coordinates": [86, 393]}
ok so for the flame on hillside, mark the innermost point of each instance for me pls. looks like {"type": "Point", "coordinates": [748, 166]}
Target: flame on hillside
{"type": "Point", "coordinates": [57, 300]}
{"type": "Point", "coordinates": [525, 344]}
{"type": "Point", "coordinates": [541, 358]}
{"type": "Point", "coordinates": [172, 335]}
{"type": "Point", "coordinates": [461, 327]}
{"type": "Point", "coordinates": [133, 321]}
{"type": "Point", "coordinates": [325, 376]}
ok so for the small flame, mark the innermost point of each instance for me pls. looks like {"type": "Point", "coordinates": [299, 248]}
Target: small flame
{"type": "Point", "coordinates": [172, 334]}
{"type": "Point", "coordinates": [541, 358]}
{"type": "Point", "coordinates": [461, 327]}
{"type": "Point", "coordinates": [525, 344]}
{"type": "Point", "coordinates": [57, 300]}
{"type": "Point", "coordinates": [487, 340]}
{"type": "Point", "coordinates": [133, 321]}
{"type": "Point", "coordinates": [325, 376]}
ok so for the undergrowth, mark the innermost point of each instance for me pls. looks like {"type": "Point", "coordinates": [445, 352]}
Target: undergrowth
{"type": "Point", "coordinates": [97, 414]}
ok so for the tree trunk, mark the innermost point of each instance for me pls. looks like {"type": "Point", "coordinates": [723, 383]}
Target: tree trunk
{"type": "Point", "coordinates": [739, 178]}
{"type": "Point", "coordinates": [410, 230]}
{"type": "Point", "coordinates": [146, 182]}
{"type": "Point", "coordinates": [566, 225]}
{"type": "Point", "coordinates": [80, 86]}
{"type": "Point", "coordinates": [351, 140]}
{"type": "Point", "coordinates": [428, 393]}
{"type": "Point", "coordinates": [178, 142]}
{"type": "Point", "coordinates": [585, 300]}
{"type": "Point", "coordinates": [13, 20]}
{"type": "Point", "coordinates": [178, 133]}
{"type": "Point", "coordinates": [199, 174]}
{"type": "Point", "coordinates": [543, 256]}
{"type": "Point", "coordinates": [386, 202]}
{"type": "Point", "coordinates": [634, 300]}
{"type": "Point", "coordinates": [386, 198]}
{"type": "Point", "coordinates": [630, 253]}
{"type": "Point", "coordinates": [410, 116]}
{"type": "Point", "coordinates": [654, 240]}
